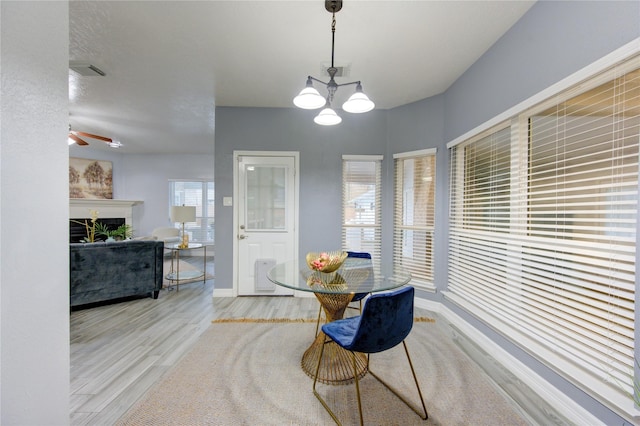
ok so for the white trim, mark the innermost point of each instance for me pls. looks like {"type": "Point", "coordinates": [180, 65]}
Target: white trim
{"type": "Point", "coordinates": [224, 292]}
{"type": "Point", "coordinates": [107, 208]}
{"type": "Point", "coordinates": [267, 153]}
{"type": "Point", "coordinates": [427, 304]}
{"type": "Point", "coordinates": [92, 202]}
{"type": "Point", "coordinates": [363, 157]}
{"type": "Point", "coordinates": [418, 153]}
{"type": "Point", "coordinates": [589, 71]}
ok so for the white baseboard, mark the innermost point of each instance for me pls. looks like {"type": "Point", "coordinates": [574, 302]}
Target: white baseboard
{"type": "Point", "coordinates": [223, 292]}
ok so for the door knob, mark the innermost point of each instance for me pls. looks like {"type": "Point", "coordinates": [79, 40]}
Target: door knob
{"type": "Point", "coordinates": [242, 237]}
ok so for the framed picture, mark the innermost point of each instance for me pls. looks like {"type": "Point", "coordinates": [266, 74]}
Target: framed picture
{"type": "Point", "coordinates": [90, 178]}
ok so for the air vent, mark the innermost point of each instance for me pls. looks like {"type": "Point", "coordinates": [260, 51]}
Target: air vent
{"type": "Point", "coordinates": [86, 69]}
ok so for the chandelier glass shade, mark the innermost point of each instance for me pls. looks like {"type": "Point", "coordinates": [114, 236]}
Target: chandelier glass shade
{"type": "Point", "coordinates": [358, 102]}
{"type": "Point", "coordinates": [310, 98]}
{"type": "Point", "coordinates": [327, 117]}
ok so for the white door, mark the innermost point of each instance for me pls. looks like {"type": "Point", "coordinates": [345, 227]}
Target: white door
{"type": "Point", "coordinates": [266, 219]}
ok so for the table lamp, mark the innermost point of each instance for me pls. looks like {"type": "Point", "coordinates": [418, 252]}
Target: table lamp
{"type": "Point", "coordinates": [183, 214]}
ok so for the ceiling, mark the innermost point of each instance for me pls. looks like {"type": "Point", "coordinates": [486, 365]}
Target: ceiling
{"type": "Point", "coordinates": [168, 64]}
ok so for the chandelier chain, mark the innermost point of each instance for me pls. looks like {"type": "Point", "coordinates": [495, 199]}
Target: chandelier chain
{"type": "Point", "coordinates": [333, 36]}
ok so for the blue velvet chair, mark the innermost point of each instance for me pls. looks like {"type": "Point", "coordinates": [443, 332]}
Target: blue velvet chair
{"type": "Point", "coordinates": [357, 297]}
{"type": "Point", "coordinates": [385, 322]}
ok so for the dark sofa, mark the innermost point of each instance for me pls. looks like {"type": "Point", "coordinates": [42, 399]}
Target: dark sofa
{"type": "Point", "coordinates": [100, 272]}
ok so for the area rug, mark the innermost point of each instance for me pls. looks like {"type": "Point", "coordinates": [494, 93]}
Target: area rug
{"type": "Point", "coordinates": [248, 373]}
{"type": "Point", "coordinates": [184, 266]}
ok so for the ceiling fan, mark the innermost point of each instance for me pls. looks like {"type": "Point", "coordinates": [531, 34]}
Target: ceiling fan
{"type": "Point", "coordinates": [76, 136]}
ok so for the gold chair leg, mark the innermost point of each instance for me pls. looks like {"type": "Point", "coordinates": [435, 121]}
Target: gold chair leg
{"type": "Point", "coordinates": [415, 379]}
{"type": "Point", "coordinates": [355, 374]}
{"type": "Point", "coordinates": [318, 322]}
{"type": "Point", "coordinates": [315, 380]}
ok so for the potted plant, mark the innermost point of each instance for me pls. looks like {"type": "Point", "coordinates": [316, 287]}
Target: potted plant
{"type": "Point", "coordinates": [91, 229]}
{"type": "Point", "coordinates": [102, 229]}
{"type": "Point", "coordinates": [122, 232]}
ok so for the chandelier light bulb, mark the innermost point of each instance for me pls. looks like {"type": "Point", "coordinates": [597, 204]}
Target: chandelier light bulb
{"type": "Point", "coordinates": [358, 102]}
{"type": "Point", "coordinates": [327, 117]}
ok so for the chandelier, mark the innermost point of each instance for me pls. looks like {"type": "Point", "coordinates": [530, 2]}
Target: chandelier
{"type": "Point", "coordinates": [310, 98]}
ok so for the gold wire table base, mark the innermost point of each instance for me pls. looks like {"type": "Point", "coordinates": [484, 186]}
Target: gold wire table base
{"type": "Point", "coordinates": [337, 365]}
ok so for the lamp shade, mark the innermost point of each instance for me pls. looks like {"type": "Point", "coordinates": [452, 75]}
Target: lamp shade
{"type": "Point", "coordinates": [309, 98]}
{"type": "Point", "coordinates": [183, 214]}
{"type": "Point", "coordinates": [358, 102]}
{"type": "Point", "coordinates": [327, 117]}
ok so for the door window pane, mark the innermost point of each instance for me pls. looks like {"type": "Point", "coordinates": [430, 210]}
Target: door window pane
{"type": "Point", "coordinates": [265, 198]}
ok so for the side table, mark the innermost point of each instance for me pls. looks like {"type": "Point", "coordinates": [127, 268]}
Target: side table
{"type": "Point", "coordinates": [175, 274]}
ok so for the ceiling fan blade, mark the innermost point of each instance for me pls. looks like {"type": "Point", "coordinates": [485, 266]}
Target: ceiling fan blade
{"type": "Point", "coordinates": [90, 135]}
{"type": "Point", "coordinates": [77, 140]}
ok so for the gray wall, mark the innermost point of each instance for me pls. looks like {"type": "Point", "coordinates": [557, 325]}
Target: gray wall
{"type": "Point", "coordinates": [321, 150]}
{"type": "Point", "coordinates": [146, 177]}
{"type": "Point", "coordinates": [552, 41]}
{"type": "Point", "coordinates": [419, 125]}
{"type": "Point", "coordinates": [562, 36]}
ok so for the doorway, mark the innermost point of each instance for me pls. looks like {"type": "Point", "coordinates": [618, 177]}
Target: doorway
{"type": "Point", "coordinates": [265, 219]}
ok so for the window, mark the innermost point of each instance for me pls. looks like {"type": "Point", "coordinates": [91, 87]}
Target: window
{"type": "Point", "coordinates": [361, 209]}
{"type": "Point", "coordinates": [201, 195]}
{"type": "Point", "coordinates": [543, 231]}
{"type": "Point", "coordinates": [266, 197]}
{"type": "Point", "coordinates": [415, 176]}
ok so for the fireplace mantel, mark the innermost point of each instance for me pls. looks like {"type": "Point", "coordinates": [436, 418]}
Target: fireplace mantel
{"type": "Point", "coordinates": [80, 207]}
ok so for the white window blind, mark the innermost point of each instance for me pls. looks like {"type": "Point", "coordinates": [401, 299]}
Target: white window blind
{"type": "Point", "coordinates": [361, 209]}
{"type": "Point", "coordinates": [201, 195]}
{"type": "Point", "coordinates": [414, 188]}
{"type": "Point", "coordinates": [543, 231]}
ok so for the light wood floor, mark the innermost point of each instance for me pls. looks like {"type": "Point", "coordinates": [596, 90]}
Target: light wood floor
{"type": "Point", "coordinates": [119, 351]}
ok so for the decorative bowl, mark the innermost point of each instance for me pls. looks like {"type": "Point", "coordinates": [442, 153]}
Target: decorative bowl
{"type": "Point", "coordinates": [326, 261]}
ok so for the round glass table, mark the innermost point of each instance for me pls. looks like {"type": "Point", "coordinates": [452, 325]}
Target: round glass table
{"type": "Point", "coordinates": [334, 291]}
